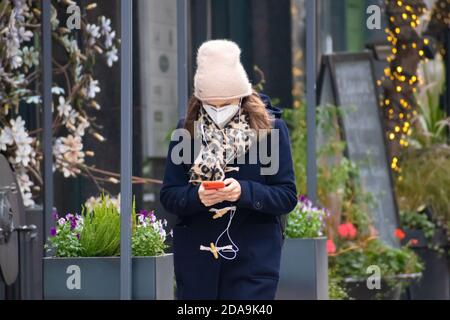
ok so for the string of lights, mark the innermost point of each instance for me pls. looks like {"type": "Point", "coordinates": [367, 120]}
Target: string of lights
{"type": "Point", "coordinates": [400, 78]}
{"type": "Point", "coordinates": [408, 48]}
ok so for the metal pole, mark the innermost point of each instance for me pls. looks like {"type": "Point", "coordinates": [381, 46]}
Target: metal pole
{"type": "Point", "coordinates": [126, 147]}
{"type": "Point", "coordinates": [447, 72]}
{"type": "Point", "coordinates": [48, 118]}
{"type": "Point", "coordinates": [27, 239]}
{"type": "Point", "coordinates": [311, 165]}
{"type": "Point", "coordinates": [182, 57]}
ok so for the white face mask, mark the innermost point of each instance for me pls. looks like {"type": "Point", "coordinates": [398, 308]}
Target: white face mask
{"type": "Point", "coordinates": [222, 115]}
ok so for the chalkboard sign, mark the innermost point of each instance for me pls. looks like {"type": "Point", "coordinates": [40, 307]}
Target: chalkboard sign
{"type": "Point", "coordinates": [354, 91]}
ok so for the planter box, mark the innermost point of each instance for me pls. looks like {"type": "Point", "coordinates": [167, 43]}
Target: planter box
{"type": "Point", "coordinates": [357, 288]}
{"type": "Point", "coordinates": [303, 270]}
{"type": "Point", "coordinates": [434, 284]}
{"type": "Point", "coordinates": [99, 278]}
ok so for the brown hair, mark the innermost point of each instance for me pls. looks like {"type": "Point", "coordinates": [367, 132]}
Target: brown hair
{"type": "Point", "coordinates": [252, 105]}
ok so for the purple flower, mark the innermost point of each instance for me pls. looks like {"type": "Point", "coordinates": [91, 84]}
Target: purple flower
{"type": "Point", "coordinates": [73, 220]}
{"type": "Point", "coordinates": [78, 236]}
{"type": "Point", "coordinates": [144, 213]}
{"type": "Point", "coordinates": [304, 201]}
{"type": "Point", "coordinates": [79, 219]}
{"type": "Point", "coordinates": [52, 232]}
{"type": "Point", "coordinates": [55, 215]}
{"type": "Point", "coordinates": [141, 219]}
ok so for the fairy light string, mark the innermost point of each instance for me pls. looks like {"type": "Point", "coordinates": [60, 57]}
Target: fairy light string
{"type": "Point", "coordinates": [400, 79]}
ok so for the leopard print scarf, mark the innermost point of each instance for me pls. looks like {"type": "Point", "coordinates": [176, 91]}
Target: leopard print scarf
{"type": "Point", "coordinates": [219, 146]}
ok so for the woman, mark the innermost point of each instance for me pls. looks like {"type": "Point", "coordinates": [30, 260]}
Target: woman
{"type": "Point", "coordinates": [227, 241]}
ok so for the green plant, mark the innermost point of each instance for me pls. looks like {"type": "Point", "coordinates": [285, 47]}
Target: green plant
{"type": "Point", "coordinates": [391, 261]}
{"type": "Point", "coordinates": [356, 262]}
{"type": "Point", "coordinates": [352, 252]}
{"type": "Point", "coordinates": [64, 238]}
{"type": "Point", "coordinates": [336, 174]}
{"type": "Point", "coordinates": [417, 221]}
{"type": "Point", "coordinates": [306, 220]}
{"type": "Point", "coordinates": [336, 291]}
{"type": "Point", "coordinates": [331, 177]}
{"type": "Point", "coordinates": [296, 121]}
{"type": "Point", "coordinates": [96, 233]}
{"type": "Point", "coordinates": [425, 181]}
{"type": "Point", "coordinates": [149, 235]}
{"type": "Point", "coordinates": [431, 120]}
{"type": "Point", "coordinates": [100, 236]}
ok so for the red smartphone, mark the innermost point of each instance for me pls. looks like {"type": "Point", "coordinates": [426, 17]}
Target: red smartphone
{"type": "Point", "coordinates": [211, 185]}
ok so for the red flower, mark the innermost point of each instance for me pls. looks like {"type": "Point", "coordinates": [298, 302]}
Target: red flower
{"type": "Point", "coordinates": [399, 234]}
{"type": "Point", "coordinates": [414, 242]}
{"type": "Point", "coordinates": [347, 231]}
{"type": "Point", "coordinates": [352, 231]}
{"type": "Point", "coordinates": [331, 247]}
{"type": "Point", "coordinates": [343, 230]}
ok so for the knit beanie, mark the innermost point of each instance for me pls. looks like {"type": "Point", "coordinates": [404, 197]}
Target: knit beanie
{"type": "Point", "coordinates": [220, 74]}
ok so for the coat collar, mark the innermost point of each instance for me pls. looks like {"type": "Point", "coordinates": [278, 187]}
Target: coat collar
{"type": "Point", "coordinates": [274, 111]}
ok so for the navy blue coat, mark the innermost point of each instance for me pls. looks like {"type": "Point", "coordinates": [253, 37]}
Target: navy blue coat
{"type": "Point", "coordinates": [256, 228]}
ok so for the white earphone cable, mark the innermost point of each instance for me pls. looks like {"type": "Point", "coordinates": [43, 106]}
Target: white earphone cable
{"type": "Point", "coordinates": [234, 248]}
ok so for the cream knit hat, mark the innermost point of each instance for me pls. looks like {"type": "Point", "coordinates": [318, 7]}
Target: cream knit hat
{"type": "Point", "coordinates": [220, 74]}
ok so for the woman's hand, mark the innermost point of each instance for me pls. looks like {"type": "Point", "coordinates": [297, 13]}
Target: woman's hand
{"type": "Point", "coordinates": [209, 197]}
{"type": "Point", "coordinates": [231, 192]}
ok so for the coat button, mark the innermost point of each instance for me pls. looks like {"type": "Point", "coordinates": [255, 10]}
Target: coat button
{"type": "Point", "coordinates": [257, 205]}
